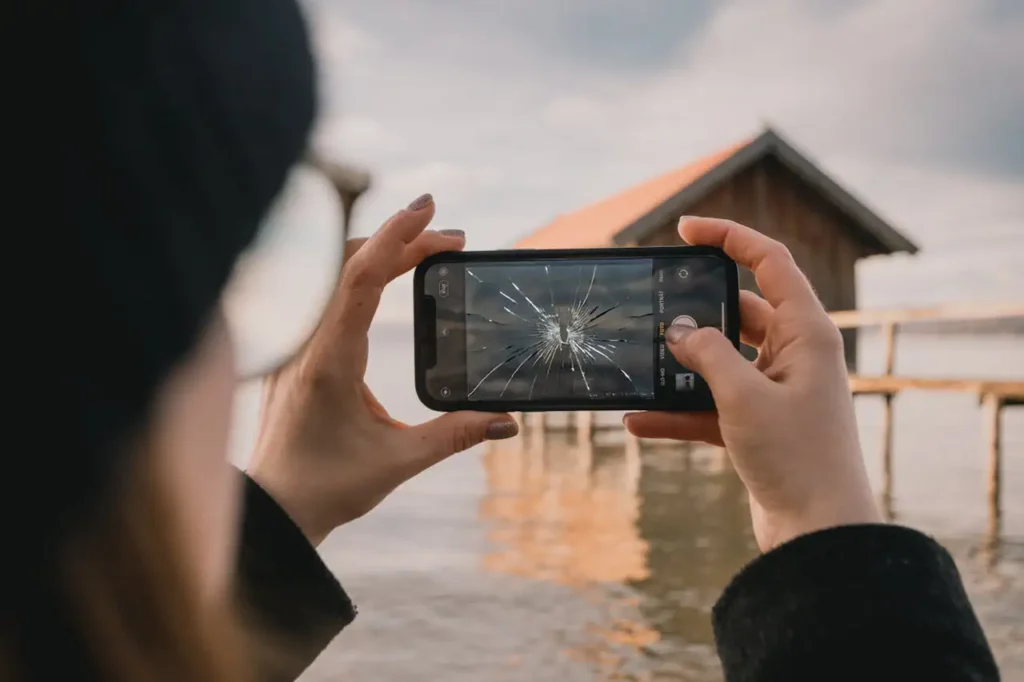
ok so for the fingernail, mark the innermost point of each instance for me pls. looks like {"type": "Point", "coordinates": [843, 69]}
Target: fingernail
{"type": "Point", "coordinates": [421, 202]}
{"type": "Point", "coordinates": [679, 228]}
{"type": "Point", "coordinates": [677, 332]}
{"type": "Point", "coordinates": [461, 234]}
{"type": "Point", "coordinates": [501, 430]}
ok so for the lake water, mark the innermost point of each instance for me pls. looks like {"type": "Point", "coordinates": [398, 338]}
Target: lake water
{"type": "Point", "coordinates": [543, 559]}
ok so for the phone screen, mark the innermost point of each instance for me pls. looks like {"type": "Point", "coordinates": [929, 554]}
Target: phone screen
{"type": "Point", "coordinates": [570, 331]}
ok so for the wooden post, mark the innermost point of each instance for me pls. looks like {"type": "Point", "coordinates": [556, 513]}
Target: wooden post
{"type": "Point", "coordinates": [585, 456]}
{"type": "Point", "coordinates": [633, 470]}
{"type": "Point", "coordinates": [887, 442]}
{"type": "Point", "coordinates": [889, 335]}
{"type": "Point", "coordinates": [520, 440]}
{"type": "Point", "coordinates": [993, 418]}
{"type": "Point", "coordinates": [536, 420]}
{"type": "Point", "coordinates": [535, 434]}
{"type": "Point", "coordinates": [584, 426]}
{"type": "Point", "coordinates": [719, 461]}
{"type": "Point", "coordinates": [632, 448]}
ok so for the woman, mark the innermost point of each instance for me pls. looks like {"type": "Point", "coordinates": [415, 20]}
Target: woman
{"type": "Point", "coordinates": [190, 115]}
{"type": "Point", "coordinates": [120, 550]}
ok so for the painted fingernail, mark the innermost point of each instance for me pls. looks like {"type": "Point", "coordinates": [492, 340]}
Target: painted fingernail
{"type": "Point", "coordinates": [461, 234]}
{"type": "Point", "coordinates": [501, 430]}
{"type": "Point", "coordinates": [677, 332]}
{"type": "Point", "coordinates": [420, 203]}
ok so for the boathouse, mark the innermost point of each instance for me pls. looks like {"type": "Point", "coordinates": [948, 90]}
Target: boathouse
{"type": "Point", "coordinates": [763, 182]}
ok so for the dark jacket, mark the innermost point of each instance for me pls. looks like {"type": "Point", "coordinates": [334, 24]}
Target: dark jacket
{"type": "Point", "coordinates": [859, 603]}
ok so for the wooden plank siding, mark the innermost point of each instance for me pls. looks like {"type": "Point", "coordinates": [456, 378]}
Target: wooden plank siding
{"type": "Point", "coordinates": [773, 200]}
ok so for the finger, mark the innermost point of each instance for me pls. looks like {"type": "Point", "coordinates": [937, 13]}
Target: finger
{"type": "Point", "coordinates": [426, 245]}
{"type": "Point", "coordinates": [698, 427]}
{"type": "Point", "coordinates": [454, 432]}
{"type": "Point", "coordinates": [372, 264]}
{"type": "Point", "coordinates": [332, 310]}
{"type": "Point", "coordinates": [777, 275]}
{"type": "Point", "coordinates": [370, 268]}
{"type": "Point", "coordinates": [406, 225]}
{"type": "Point", "coordinates": [755, 316]}
{"type": "Point", "coordinates": [707, 352]}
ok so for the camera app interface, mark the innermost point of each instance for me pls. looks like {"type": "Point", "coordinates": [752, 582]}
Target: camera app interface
{"type": "Point", "coordinates": [584, 329]}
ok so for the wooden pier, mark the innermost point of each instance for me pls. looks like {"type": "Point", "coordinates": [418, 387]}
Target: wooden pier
{"type": "Point", "coordinates": [993, 395]}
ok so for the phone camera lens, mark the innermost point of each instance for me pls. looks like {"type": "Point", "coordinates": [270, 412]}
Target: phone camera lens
{"type": "Point", "coordinates": [446, 392]}
{"type": "Point", "coordinates": [443, 271]}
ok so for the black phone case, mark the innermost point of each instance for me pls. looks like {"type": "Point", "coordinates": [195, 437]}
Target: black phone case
{"type": "Point", "coordinates": [424, 329]}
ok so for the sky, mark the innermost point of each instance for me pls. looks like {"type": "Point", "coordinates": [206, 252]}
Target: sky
{"type": "Point", "coordinates": [511, 112]}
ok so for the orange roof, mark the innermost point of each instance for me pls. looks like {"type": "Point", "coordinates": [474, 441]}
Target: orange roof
{"type": "Point", "coordinates": [596, 225]}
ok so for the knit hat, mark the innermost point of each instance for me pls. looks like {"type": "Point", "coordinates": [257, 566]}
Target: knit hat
{"type": "Point", "coordinates": [181, 121]}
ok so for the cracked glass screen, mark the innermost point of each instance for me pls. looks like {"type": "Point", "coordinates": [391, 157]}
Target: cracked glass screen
{"type": "Point", "coordinates": [559, 329]}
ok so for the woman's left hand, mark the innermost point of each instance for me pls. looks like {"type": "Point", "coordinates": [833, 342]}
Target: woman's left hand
{"type": "Point", "coordinates": [327, 450]}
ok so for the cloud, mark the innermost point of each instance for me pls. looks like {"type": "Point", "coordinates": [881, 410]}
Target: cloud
{"type": "Point", "coordinates": [511, 113]}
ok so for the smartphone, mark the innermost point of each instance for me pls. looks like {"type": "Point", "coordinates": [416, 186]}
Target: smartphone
{"type": "Point", "coordinates": [550, 330]}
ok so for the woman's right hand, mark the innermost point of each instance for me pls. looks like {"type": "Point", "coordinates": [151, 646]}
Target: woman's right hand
{"type": "Point", "coordinates": [786, 420]}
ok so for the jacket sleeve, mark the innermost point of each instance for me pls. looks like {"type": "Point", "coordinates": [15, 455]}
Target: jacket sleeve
{"type": "Point", "coordinates": [294, 606]}
{"type": "Point", "coordinates": [872, 602]}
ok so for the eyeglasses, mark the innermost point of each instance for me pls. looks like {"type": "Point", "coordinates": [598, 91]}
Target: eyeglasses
{"type": "Point", "coordinates": [284, 281]}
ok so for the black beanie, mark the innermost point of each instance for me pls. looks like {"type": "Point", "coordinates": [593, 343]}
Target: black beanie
{"type": "Point", "coordinates": [180, 120]}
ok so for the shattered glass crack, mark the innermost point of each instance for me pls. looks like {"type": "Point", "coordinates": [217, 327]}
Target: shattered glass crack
{"type": "Point", "coordinates": [559, 330]}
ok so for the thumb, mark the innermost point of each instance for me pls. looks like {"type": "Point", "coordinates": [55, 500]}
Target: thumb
{"type": "Point", "coordinates": [707, 352]}
{"type": "Point", "coordinates": [454, 432]}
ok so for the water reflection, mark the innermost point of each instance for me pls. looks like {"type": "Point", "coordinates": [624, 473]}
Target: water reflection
{"type": "Point", "coordinates": [696, 518]}
{"type": "Point", "coordinates": [563, 511]}
{"type": "Point", "coordinates": [651, 534]}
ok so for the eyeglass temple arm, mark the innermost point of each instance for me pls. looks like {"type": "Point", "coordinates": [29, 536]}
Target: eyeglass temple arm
{"type": "Point", "coordinates": [350, 183]}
